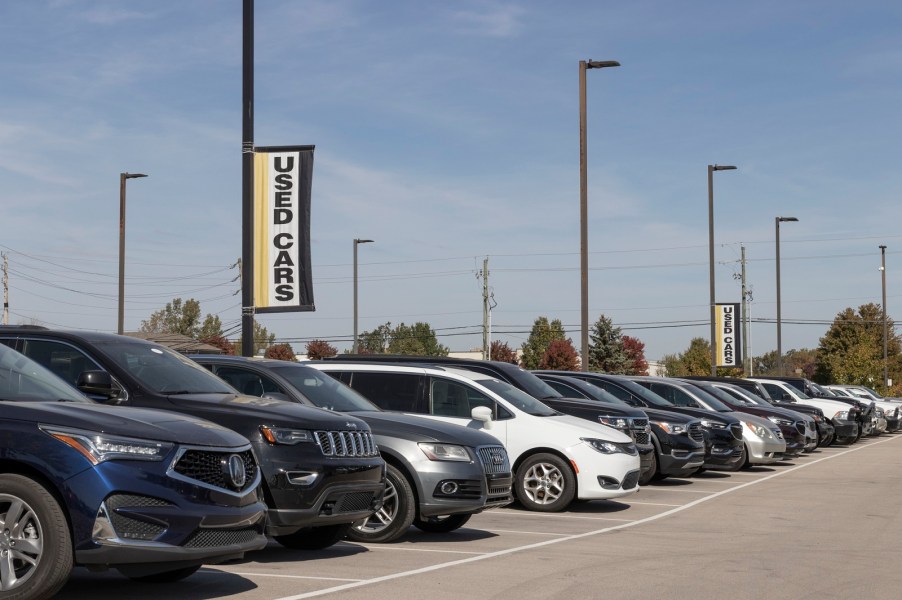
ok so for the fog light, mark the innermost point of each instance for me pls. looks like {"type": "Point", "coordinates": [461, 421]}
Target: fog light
{"type": "Point", "coordinates": [448, 488]}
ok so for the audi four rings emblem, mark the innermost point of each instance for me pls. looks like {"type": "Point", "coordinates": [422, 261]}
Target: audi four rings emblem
{"type": "Point", "coordinates": [233, 469]}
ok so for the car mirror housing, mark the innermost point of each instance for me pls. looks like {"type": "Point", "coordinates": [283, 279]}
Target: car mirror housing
{"type": "Point", "coordinates": [96, 382]}
{"type": "Point", "coordinates": [482, 413]}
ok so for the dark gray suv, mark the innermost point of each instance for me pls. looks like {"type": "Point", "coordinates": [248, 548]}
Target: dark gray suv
{"type": "Point", "coordinates": [438, 474]}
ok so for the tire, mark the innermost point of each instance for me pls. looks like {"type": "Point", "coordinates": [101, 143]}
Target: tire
{"type": "Point", "coordinates": [545, 483]}
{"type": "Point", "coordinates": [34, 539]}
{"type": "Point", "coordinates": [168, 576]}
{"type": "Point", "coordinates": [442, 524]}
{"type": "Point", "coordinates": [745, 463]}
{"type": "Point", "coordinates": [394, 518]}
{"type": "Point", "coordinates": [314, 538]}
{"type": "Point", "coordinates": [646, 478]}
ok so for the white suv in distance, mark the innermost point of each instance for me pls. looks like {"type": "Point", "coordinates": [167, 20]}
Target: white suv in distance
{"type": "Point", "coordinates": [556, 458]}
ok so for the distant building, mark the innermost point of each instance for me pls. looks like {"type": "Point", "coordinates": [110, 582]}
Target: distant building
{"type": "Point", "coordinates": [178, 342]}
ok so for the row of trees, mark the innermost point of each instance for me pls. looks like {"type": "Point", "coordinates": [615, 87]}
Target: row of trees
{"type": "Point", "coordinates": [851, 351]}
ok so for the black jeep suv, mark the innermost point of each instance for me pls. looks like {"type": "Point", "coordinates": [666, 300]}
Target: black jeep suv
{"type": "Point", "coordinates": [321, 470]}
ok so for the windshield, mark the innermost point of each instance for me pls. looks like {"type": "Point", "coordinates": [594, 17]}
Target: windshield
{"type": "Point", "coordinates": [715, 397]}
{"type": "Point", "coordinates": [742, 397]}
{"type": "Point", "coordinates": [162, 370]}
{"type": "Point", "coordinates": [596, 393]}
{"type": "Point", "coordinates": [646, 394]}
{"type": "Point", "coordinates": [322, 390]}
{"type": "Point", "coordinates": [23, 380]}
{"type": "Point", "coordinates": [518, 398]}
{"type": "Point", "coordinates": [534, 386]}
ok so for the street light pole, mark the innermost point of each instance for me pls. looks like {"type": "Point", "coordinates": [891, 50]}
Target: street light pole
{"type": "Point", "coordinates": [711, 169]}
{"type": "Point", "coordinates": [885, 329]}
{"type": "Point", "coordinates": [777, 221]}
{"type": "Point", "coordinates": [122, 178]}
{"type": "Point", "coordinates": [584, 207]}
{"type": "Point", "coordinates": [356, 243]}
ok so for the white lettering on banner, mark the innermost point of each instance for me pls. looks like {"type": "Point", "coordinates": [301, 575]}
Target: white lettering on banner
{"type": "Point", "coordinates": [284, 196]}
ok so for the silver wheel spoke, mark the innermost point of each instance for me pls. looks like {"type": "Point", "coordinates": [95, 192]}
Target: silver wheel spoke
{"type": "Point", "coordinates": [7, 573]}
{"type": "Point", "coordinates": [13, 516]}
{"type": "Point", "coordinates": [31, 546]}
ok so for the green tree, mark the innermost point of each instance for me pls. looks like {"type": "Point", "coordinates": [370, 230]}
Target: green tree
{"type": "Point", "coordinates": [765, 364]}
{"type": "Point", "coordinates": [560, 356]}
{"type": "Point", "coordinates": [542, 334]}
{"type": "Point", "coordinates": [263, 339]}
{"type": "Point", "coordinates": [696, 360]}
{"type": "Point", "coordinates": [212, 327]}
{"type": "Point", "coordinates": [375, 341]}
{"type": "Point", "coordinates": [176, 317]}
{"type": "Point", "coordinates": [852, 349]}
{"type": "Point", "coordinates": [606, 351]}
{"type": "Point", "coordinates": [417, 339]}
{"type": "Point", "coordinates": [501, 351]}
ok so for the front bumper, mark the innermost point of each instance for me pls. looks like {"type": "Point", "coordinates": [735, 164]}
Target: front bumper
{"type": "Point", "coordinates": [845, 430]}
{"type": "Point", "coordinates": [604, 476]}
{"type": "Point", "coordinates": [722, 449]}
{"type": "Point", "coordinates": [765, 451]}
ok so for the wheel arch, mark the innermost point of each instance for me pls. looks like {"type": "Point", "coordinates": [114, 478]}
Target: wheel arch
{"type": "Point", "coordinates": [11, 467]}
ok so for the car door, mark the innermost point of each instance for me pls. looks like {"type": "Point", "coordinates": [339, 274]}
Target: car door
{"type": "Point", "coordinates": [248, 381]}
{"type": "Point", "coordinates": [66, 362]}
{"type": "Point", "coordinates": [453, 401]}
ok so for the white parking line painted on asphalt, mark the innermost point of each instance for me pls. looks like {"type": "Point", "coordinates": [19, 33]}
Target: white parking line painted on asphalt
{"type": "Point", "coordinates": [577, 536]}
{"type": "Point", "coordinates": [400, 549]}
{"type": "Point", "coordinates": [493, 530]}
{"type": "Point", "coordinates": [522, 514]}
{"type": "Point", "coordinates": [218, 571]}
{"type": "Point", "coordinates": [668, 490]}
{"type": "Point", "coordinates": [652, 504]}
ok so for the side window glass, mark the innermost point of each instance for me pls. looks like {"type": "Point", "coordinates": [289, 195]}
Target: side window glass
{"type": "Point", "coordinates": [452, 399]}
{"type": "Point", "coordinates": [666, 392]}
{"type": "Point", "coordinates": [389, 391]}
{"type": "Point", "coordinates": [564, 389]}
{"type": "Point", "coordinates": [64, 360]}
{"type": "Point", "coordinates": [246, 381]}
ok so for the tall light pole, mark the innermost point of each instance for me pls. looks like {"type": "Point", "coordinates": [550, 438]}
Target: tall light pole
{"type": "Point", "coordinates": [885, 329]}
{"type": "Point", "coordinates": [711, 169]}
{"type": "Point", "coordinates": [122, 178]}
{"type": "Point", "coordinates": [777, 221]}
{"type": "Point", "coordinates": [584, 207]}
{"type": "Point", "coordinates": [356, 243]}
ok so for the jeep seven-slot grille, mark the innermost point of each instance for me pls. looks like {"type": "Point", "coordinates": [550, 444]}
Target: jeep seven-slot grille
{"type": "Point", "coordinates": [207, 466]}
{"type": "Point", "coordinates": [346, 443]}
{"type": "Point", "coordinates": [494, 459]}
{"type": "Point", "coordinates": [696, 432]}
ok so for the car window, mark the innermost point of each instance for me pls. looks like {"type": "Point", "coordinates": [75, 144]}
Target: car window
{"type": "Point", "coordinates": [448, 398]}
{"type": "Point", "coordinates": [65, 361]}
{"type": "Point", "coordinates": [247, 381]}
{"type": "Point", "coordinates": [518, 398]}
{"type": "Point", "coordinates": [565, 390]}
{"type": "Point", "coordinates": [673, 394]}
{"type": "Point", "coordinates": [390, 391]}
{"type": "Point", "coordinates": [322, 390]}
{"type": "Point", "coordinates": [23, 379]}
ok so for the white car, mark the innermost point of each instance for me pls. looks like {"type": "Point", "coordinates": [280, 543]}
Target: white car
{"type": "Point", "coordinates": [892, 407]}
{"type": "Point", "coordinates": [556, 458]}
{"type": "Point", "coordinates": [842, 416]}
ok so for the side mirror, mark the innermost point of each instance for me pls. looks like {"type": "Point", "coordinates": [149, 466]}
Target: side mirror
{"type": "Point", "coordinates": [98, 383]}
{"type": "Point", "coordinates": [482, 413]}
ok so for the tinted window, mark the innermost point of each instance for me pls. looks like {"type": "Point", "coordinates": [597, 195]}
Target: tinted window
{"type": "Point", "coordinates": [390, 391]}
{"type": "Point", "coordinates": [247, 381]}
{"type": "Point", "coordinates": [322, 390]}
{"type": "Point", "coordinates": [518, 398]}
{"type": "Point", "coordinates": [564, 389]}
{"type": "Point", "coordinates": [22, 379]}
{"type": "Point", "coordinates": [62, 359]}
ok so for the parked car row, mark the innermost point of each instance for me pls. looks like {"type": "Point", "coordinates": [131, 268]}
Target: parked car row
{"type": "Point", "coordinates": [120, 453]}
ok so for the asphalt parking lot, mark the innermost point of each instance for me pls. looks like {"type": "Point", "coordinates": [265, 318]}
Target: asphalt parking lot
{"type": "Point", "coordinates": [824, 525]}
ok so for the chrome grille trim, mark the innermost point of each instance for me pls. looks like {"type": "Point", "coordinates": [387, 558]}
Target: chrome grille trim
{"type": "Point", "coordinates": [696, 432]}
{"type": "Point", "coordinates": [487, 458]}
{"type": "Point", "coordinates": [346, 443]}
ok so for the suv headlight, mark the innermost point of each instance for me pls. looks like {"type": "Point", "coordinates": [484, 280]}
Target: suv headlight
{"type": "Point", "coordinates": [757, 429]}
{"type": "Point", "coordinates": [779, 421]}
{"type": "Point", "coordinates": [615, 422]}
{"type": "Point", "coordinates": [672, 428]}
{"type": "Point", "coordinates": [713, 424]}
{"type": "Point", "coordinates": [843, 414]}
{"type": "Point", "coordinates": [606, 447]}
{"type": "Point", "coordinates": [285, 436]}
{"type": "Point", "coordinates": [444, 452]}
{"type": "Point", "coordinates": [100, 447]}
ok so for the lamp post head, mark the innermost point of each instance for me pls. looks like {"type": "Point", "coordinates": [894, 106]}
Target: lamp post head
{"type": "Point", "coordinates": [785, 219]}
{"type": "Point", "coordinates": [601, 64]}
{"type": "Point", "coordinates": [358, 241]}
{"type": "Point", "coordinates": [133, 175]}
{"type": "Point", "coordinates": [722, 167]}
{"type": "Point", "coordinates": [882, 247]}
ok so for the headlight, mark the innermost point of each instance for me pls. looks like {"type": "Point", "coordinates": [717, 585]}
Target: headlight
{"type": "Point", "coordinates": [445, 452]}
{"type": "Point", "coordinates": [288, 437]}
{"type": "Point", "coordinates": [757, 429]}
{"type": "Point", "coordinates": [99, 447]}
{"type": "Point", "coordinates": [713, 424]}
{"type": "Point", "coordinates": [779, 421]}
{"type": "Point", "coordinates": [843, 414]}
{"type": "Point", "coordinates": [673, 428]}
{"type": "Point", "coordinates": [615, 422]}
{"type": "Point", "coordinates": [606, 447]}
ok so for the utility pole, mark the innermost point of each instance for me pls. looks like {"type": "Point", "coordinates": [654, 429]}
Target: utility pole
{"type": "Point", "coordinates": [486, 333]}
{"type": "Point", "coordinates": [5, 288]}
{"type": "Point", "coordinates": [746, 360]}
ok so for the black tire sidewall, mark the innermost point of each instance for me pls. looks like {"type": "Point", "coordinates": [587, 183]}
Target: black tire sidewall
{"type": "Point", "coordinates": [404, 516]}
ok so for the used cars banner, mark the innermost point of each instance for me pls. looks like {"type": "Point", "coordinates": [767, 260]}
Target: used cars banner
{"type": "Point", "coordinates": [727, 325]}
{"type": "Point", "coordinates": [283, 177]}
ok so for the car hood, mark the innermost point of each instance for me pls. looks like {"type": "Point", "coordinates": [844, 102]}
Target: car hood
{"type": "Point", "coordinates": [420, 429]}
{"type": "Point", "coordinates": [263, 410]}
{"type": "Point", "coordinates": [601, 407]}
{"type": "Point", "coordinates": [564, 425]}
{"type": "Point", "coordinates": [670, 416]}
{"type": "Point", "coordinates": [711, 415]}
{"type": "Point", "coordinates": [141, 423]}
{"type": "Point", "coordinates": [763, 411]}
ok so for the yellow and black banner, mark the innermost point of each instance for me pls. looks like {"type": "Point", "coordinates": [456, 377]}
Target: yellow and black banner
{"type": "Point", "coordinates": [283, 180]}
{"type": "Point", "coordinates": [727, 327]}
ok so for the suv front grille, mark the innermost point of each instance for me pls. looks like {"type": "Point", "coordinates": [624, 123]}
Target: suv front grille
{"type": "Point", "coordinates": [639, 424]}
{"type": "Point", "coordinates": [209, 538]}
{"type": "Point", "coordinates": [696, 432]}
{"type": "Point", "coordinates": [357, 444]}
{"type": "Point", "coordinates": [642, 437]}
{"type": "Point", "coordinates": [210, 467]}
{"type": "Point", "coordinates": [494, 459]}
{"type": "Point", "coordinates": [736, 430]}
{"type": "Point", "coordinates": [800, 426]}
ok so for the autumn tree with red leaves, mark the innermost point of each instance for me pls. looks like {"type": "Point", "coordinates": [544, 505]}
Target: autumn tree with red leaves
{"type": "Point", "coordinates": [560, 356]}
{"type": "Point", "coordinates": [501, 351]}
{"type": "Point", "coordinates": [635, 356]}
{"type": "Point", "coordinates": [280, 352]}
{"type": "Point", "coordinates": [320, 349]}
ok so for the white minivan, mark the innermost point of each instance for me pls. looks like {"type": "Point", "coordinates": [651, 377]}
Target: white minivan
{"type": "Point", "coordinates": [843, 416]}
{"type": "Point", "coordinates": [556, 458]}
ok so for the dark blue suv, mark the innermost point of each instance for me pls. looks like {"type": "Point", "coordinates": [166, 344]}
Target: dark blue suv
{"type": "Point", "coordinates": [150, 493]}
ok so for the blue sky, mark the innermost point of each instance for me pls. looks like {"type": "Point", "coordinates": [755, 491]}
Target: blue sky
{"type": "Point", "coordinates": [447, 132]}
